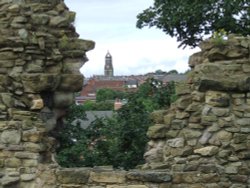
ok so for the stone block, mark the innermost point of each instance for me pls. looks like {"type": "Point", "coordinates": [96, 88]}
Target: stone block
{"type": "Point", "coordinates": [26, 155]}
{"type": "Point", "coordinates": [11, 137]}
{"type": "Point", "coordinates": [205, 137]}
{"type": "Point", "coordinates": [157, 131]}
{"type": "Point", "coordinates": [149, 176]}
{"type": "Point", "coordinates": [168, 118]}
{"type": "Point", "coordinates": [71, 82]}
{"type": "Point", "coordinates": [108, 177]}
{"type": "Point", "coordinates": [9, 181]}
{"type": "Point", "coordinates": [207, 151]}
{"type": "Point", "coordinates": [183, 102]}
{"type": "Point", "coordinates": [217, 99]}
{"type": "Point", "coordinates": [126, 186]}
{"type": "Point", "coordinates": [189, 133]}
{"type": "Point", "coordinates": [176, 142]}
{"type": "Point", "coordinates": [73, 175]}
{"type": "Point", "coordinates": [63, 99]}
{"type": "Point", "coordinates": [34, 147]}
{"type": "Point", "coordinates": [12, 162]}
{"type": "Point", "coordinates": [30, 162]}
{"type": "Point", "coordinates": [195, 177]}
{"type": "Point", "coordinates": [220, 112]}
{"type": "Point", "coordinates": [36, 83]}
{"type": "Point", "coordinates": [27, 177]}
{"type": "Point", "coordinates": [182, 89]}
{"type": "Point", "coordinates": [32, 135]}
{"type": "Point", "coordinates": [182, 115]}
{"type": "Point", "coordinates": [184, 151]}
{"type": "Point", "coordinates": [178, 124]}
{"type": "Point", "coordinates": [158, 115]}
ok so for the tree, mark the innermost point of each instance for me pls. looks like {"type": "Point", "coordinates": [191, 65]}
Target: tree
{"type": "Point", "coordinates": [119, 141]}
{"type": "Point", "coordinates": [191, 20]}
{"type": "Point", "coordinates": [156, 95]}
{"type": "Point", "coordinates": [98, 106]}
{"type": "Point", "coordinates": [173, 72]}
{"type": "Point", "coordinates": [105, 94]}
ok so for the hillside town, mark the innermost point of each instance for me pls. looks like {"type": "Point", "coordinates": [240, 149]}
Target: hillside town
{"type": "Point", "coordinates": [121, 83]}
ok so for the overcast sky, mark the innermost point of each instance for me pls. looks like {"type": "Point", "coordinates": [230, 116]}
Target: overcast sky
{"type": "Point", "coordinates": [111, 24]}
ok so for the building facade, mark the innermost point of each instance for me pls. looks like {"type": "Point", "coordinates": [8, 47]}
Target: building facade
{"type": "Point", "coordinates": [108, 68]}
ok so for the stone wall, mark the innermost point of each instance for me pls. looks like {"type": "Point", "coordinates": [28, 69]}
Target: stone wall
{"type": "Point", "coordinates": [206, 132]}
{"type": "Point", "coordinates": [202, 141]}
{"type": "Point", "coordinates": [40, 57]}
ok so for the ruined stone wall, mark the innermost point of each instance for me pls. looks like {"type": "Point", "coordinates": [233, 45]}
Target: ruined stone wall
{"type": "Point", "coordinates": [40, 57]}
{"type": "Point", "coordinates": [202, 141]}
{"type": "Point", "coordinates": [205, 137]}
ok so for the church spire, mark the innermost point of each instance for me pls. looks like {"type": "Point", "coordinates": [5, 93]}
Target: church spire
{"type": "Point", "coordinates": [108, 68]}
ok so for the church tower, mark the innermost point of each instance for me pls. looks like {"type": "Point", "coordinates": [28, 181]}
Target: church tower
{"type": "Point", "coordinates": [108, 68]}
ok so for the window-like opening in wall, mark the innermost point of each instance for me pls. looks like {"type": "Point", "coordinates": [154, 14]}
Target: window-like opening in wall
{"type": "Point", "coordinates": [118, 140]}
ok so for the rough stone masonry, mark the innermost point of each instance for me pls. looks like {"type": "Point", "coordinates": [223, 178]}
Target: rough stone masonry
{"type": "Point", "coordinates": [40, 57]}
{"type": "Point", "coordinates": [202, 141]}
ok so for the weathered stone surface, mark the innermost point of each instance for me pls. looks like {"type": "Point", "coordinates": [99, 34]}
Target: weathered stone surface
{"type": "Point", "coordinates": [207, 151]}
{"type": "Point", "coordinates": [157, 131]}
{"type": "Point", "coordinates": [176, 142]}
{"type": "Point", "coordinates": [11, 137]}
{"type": "Point", "coordinates": [9, 181]}
{"type": "Point", "coordinates": [71, 82]}
{"type": "Point", "coordinates": [37, 104]}
{"type": "Point", "coordinates": [152, 176]}
{"type": "Point", "coordinates": [36, 83]}
{"type": "Point", "coordinates": [71, 175]}
{"type": "Point", "coordinates": [107, 177]}
{"type": "Point", "coordinates": [155, 153]}
{"type": "Point", "coordinates": [63, 99]}
{"type": "Point", "coordinates": [32, 135]}
{"type": "Point", "coordinates": [183, 102]}
{"type": "Point", "coordinates": [157, 116]}
{"type": "Point", "coordinates": [203, 138]}
{"type": "Point", "coordinates": [27, 177]}
{"type": "Point", "coordinates": [195, 177]}
{"type": "Point", "coordinates": [168, 118]}
{"type": "Point", "coordinates": [189, 134]}
{"type": "Point", "coordinates": [12, 163]}
{"type": "Point", "coordinates": [26, 155]}
{"type": "Point", "coordinates": [217, 99]}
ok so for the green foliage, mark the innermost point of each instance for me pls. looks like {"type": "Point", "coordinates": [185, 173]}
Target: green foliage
{"type": "Point", "coordinates": [219, 37]}
{"type": "Point", "coordinates": [119, 141]}
{"type": "Point", "coordinates": [155, 95]}
{"type": "Point", "coordinates": [109, 94]}
{"type": "Point", "coordinates": [190, 20]}
{"type": "Point", "coordinates": [98, 106]}
{"type": "Point", "coordinates": [173, 72]}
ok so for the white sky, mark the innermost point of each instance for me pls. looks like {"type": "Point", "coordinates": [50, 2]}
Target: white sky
{"type": "Point", "coordinates": [111, 24]}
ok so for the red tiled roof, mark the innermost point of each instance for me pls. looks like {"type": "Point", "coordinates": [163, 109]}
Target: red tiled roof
{"type": "Point", "coordinates": [93, 85]}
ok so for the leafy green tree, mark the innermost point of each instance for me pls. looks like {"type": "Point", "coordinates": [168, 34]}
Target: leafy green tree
{"type": "Point", "coordinates": [119, 141]}
{"type": "Point", "coordinates": [173, 72]}
{"type": "Point", "coordinates": [98, 106]}
{"type": "Point", "coordinates": [106, 94]}
{"type": "Point", "coordinates": [156, 95]}
{"type": "Point", "coordinates": [132, 124]}
{"type": "Point", "coordinates": [191, 20]}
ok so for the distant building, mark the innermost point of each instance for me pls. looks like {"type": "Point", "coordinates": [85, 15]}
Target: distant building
{"type": "Point", "coordinates": [119, 83]}
{"type": "Point", "coordinates": [108, 68]}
